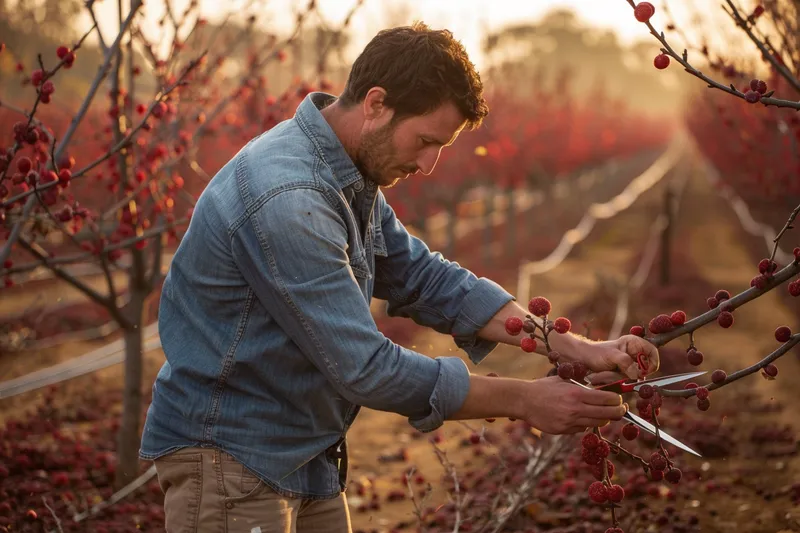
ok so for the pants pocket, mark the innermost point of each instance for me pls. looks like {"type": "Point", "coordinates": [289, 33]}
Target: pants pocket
{"type": "Point", "coordinates": [250, 503]}
{"type": "Point", "coordinates": [180, 476]}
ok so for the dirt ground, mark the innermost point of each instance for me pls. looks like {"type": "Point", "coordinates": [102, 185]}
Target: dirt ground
{"type": "Point", "coordinates": [707, 233]}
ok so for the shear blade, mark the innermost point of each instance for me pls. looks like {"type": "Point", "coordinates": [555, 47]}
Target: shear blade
{"type": "Point", "coordinates": [668, 380]}
{"type": "Point", "coordinates": [644, 424]}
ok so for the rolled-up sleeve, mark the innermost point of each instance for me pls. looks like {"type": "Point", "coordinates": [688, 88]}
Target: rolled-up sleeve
{"type": "Point", "coordinates": [434, 292]}
{"type": "Point", "coordinates": [292, 252]}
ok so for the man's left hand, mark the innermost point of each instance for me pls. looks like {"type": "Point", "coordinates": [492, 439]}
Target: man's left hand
{"type": "Point", "coordinates": [612, 360]}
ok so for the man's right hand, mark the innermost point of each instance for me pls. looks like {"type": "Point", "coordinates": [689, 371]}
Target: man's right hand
{"type": "Point", "coordinates": [556, 406]}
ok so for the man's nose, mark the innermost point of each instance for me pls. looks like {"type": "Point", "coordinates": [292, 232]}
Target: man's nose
{"type": "Point", "coordinates": [427, 161]}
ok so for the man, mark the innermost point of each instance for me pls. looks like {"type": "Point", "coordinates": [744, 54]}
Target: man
{"type": "Point", "coordinates": [265, 318]}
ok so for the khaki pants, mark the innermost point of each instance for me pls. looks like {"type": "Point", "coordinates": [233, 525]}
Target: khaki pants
{"type": "Point", "coordinates": [206, 490]}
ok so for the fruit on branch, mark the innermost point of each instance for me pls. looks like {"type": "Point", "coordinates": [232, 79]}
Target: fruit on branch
{"type": "Point", "coordinates": [598, 492]}
{"type": "Point", "coordinates": [758, 86]}
{"type": "Point", "coordinates": [722, 295]}
{"type": "Point", "coordinates": [661, 61]}
{"type": "Point", "coordinates": [644, 11]}
{"type": "Point", "coordinates": [703, 404]}
{"type": "Point", "coordinates": [673, 476]}
{"type": "Point", "coordinates": [660, 324]}
{"type": "Point", "coordinates": [590, 441]}
{"type": "Point", "coordinates": [725, 319]}
{"type": "Point", "coordinates": [701, 392]}
{"type": "Point", "coordinates": [752, 97]}
{"type": "Point", "coordinates": [794, 288]}
{"type": "Point", "coordinates": [783, 333]}
{"type": "Point", "coordinates": [657, 462]}
{"type": "Point", "coordinates": [630, 431]}
{"type": "Point", "coordinates": [765, 266]}
{"type": "Point", "coordinates": [528, 344]}
{"type": "Point", "coordinates": [566, 371]}
{"type": "Point", "coordinates": [637, 330]}
{"type": "Point", "coordinates": [562, 325]}
{"type": "Point", "coordinates": [539, 306]}
{"type": "Point", "coordinates": [770, 371]}
{"type": "Point", "coordinates": [718, 376]}
{"type": "Point", "coordinates": [616, 493]}
{"type": "Point", "coordinates": [677, 318]}
{"type": "Point", "coordinates": [513, 325]}
{"type": "Point", "coordinates": [694, 357]}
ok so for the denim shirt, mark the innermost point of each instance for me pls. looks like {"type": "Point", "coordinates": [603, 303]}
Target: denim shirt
{"type": "Point", "coordinates": [265, 318]}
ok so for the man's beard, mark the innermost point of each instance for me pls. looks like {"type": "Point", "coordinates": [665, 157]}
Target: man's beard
{"type": "Point", "coordinates": [374, 157]}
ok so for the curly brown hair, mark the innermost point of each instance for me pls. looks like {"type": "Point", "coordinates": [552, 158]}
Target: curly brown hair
{"type": "Point", "coordinates": [420, 69]}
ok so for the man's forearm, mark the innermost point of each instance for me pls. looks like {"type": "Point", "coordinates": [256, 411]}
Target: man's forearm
{"type": "Point", "coordinates": [495, 331]}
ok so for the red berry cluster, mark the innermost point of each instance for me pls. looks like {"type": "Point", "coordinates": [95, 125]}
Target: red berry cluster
{"type": "Point", "coordinates": [662, 323]}
{"type": "Point", "coordinates": [595, 452]}
{"type": "Point", "coordinates": [766, 269]}
{"type": "Point", "coordinates": [757, 89]}
{"type": "Point", "coordinates": [540, 307]}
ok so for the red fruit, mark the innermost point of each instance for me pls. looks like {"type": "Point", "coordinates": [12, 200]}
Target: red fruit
{"type": "Point", "coordinates": [660, 324]}
{"type": "Point", "coordinates": [62, 51]}
{"type": "Point", "coordinates": [725, 319]}
{"type": "Point", "coordinates": [590, 441]}
{"type": "Point", "coordinates": [752, 96]}
{"type": "Point", "coordinates": [765, 266]}
{"type": "Point", "coordinates": [565, 371]}
{"type": "Point", "coordinates": [630, 431]}
{"type": "Point", "coordinates": [758, 85]}
{"type": "Point", "coordinates": [539, 306]}
{"type": "Point", "coordinates": [691, 385]}
{"type": "Point", "coordinates": [553, 356]}
{"type": "Point", "coordinates": [771, 370]}
{"type": "Point", "coordinates": [64, 176]}
{"type": "Point", "coordinates": [712, 303]}
{"type": "Point", "coordinates": [722, 294]}
{"type": "Point", "coordinates": [703, 405]}
{"type": "Point", "coordinates": [694, 357]}
{"type": "Point", "coordinates": [643, 11]}
{"type": "Point", "coordinates": [579, 371]}
{"type": "Point", "coordinates": [673, 476]}
{"type": "Point", "coordinates": [598, 492]}
{"type": "Point", "coordinates": [615, 493]}
{"type": "Point", "coordinates": [796, 252]}
{"type": "Point", "coordinates": [657, 461]}
{"type": "Point", "coordinates": [656, 475]}
{"type": "Point", "coordinates": [794, 288]}
{"type": "Point", "coordinates": [528, 344]}
{"type": "Point", "coordinates": [513, 325]}
{"type": "Point", "coordinates": [701, 392]}
{"type": "Point", "coordinates": [638, 331]}
{"type": "Point", "coordinates": [603, 449]}
{"type": "Point", "coordinates": [783, 334]}
{"type": "Point", "coordinates": [718, 376]}
{"type": "Point", "coordinates": [562, 325]}
{"type": "Point", "coordinates": [677, 318]}
{"type": "Point", "coordinates": [661, 61]}
{"type": "Point", "coordinates": [24, 165]}
{"type": "Point", "coordinates": [646, 391]}
{"type": "Point", "coordinates": [36, 77]}
{"type": "Point", "coordinates": [159, 110]}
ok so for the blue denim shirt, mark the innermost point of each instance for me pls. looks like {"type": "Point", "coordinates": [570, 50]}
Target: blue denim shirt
{"type": "Point", "coordinates": [265, 315]}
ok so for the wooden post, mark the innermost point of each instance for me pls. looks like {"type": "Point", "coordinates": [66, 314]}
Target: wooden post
{"type": "Point", "coordinates": [666, 235]}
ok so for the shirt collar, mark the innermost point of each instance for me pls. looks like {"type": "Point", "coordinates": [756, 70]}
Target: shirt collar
{"type": "Point", "coordinates": [325, 141]}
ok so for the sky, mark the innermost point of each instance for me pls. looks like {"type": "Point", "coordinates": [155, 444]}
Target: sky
{"type": "Point", "coordinates": [468, 19]}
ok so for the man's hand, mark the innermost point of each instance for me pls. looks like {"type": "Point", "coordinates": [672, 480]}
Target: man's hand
{"type": "Point", "coordinates": [615, 359]}
{"type": "Point", "coordinates": [558, 407]}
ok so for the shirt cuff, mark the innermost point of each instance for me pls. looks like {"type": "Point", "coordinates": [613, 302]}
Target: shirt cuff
{"type": "Point", "coordinates": [448, 396]}
{"type": "Point", "coordinates": [482, 302]}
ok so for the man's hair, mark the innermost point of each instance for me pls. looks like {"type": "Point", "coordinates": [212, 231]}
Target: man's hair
{"type": "Point", "coordinates": [420, 69]}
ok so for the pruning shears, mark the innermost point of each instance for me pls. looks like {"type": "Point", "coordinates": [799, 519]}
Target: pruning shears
{"type": "Point", "coordinates": [625, 385]}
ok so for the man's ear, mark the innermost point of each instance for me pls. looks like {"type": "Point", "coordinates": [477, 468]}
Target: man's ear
{"type": "Point", "coordinates": [374, 105]}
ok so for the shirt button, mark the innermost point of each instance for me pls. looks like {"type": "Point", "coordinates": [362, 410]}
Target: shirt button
{"type": "Point", "coordinates": [229, 505]}
{"type": "Point", "coordinates": [359, 185]}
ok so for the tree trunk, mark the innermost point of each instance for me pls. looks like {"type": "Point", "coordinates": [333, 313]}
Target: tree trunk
{"type": "Point", "coordinates": [128, 438]}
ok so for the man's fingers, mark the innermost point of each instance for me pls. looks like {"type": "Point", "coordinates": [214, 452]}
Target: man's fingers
{"type": "Point", "coordinates": [600, 397]}
{"type": "Point", "coordinates": [588, 422]}
{"type": "Point", "coordinates": [603, 412]}
{"type": "Point", "coordinates": [605, 377]}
